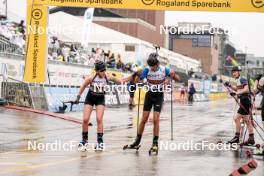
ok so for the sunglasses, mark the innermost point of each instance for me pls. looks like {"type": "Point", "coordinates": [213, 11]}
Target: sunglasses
{"type": "Point", "coordinates": [102, 70]}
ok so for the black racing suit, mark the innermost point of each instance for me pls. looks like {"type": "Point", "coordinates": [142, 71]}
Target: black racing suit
{"type": "Point", "coordinates": [261, 90]}
{"type": "Point", "coordinates": [245, 99]}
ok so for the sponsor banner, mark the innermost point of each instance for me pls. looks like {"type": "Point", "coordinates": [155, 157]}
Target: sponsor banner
{"type": "Point", "coordinates": [206, 86]}
{"type": "Point", "coordinates": [55, 97]}
{"type": "Point", "coordinates": [88, 18]}
{"type": "Point", "coordinates": [179, 5]}
{"type": "Point", "coordinates": [3, 7]}
{"type": "Point", "coordinates": [214, 87]}
{"type": "Point", "coordinates": [35, 65]}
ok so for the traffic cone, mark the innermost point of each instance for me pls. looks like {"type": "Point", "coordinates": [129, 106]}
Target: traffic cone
{"type": "Point", "coordinates": [253, 164]}
{"type": "Point", "coordinates": [235, 173]}
{"type": "Point", "coordinates": [244, 169]}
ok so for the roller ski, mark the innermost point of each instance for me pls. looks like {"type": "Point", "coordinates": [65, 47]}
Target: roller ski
{"type": "Point", "coordinates": [100, 146]}
{"type": "Point", "coordinates": [249, 143]}
{"type": "Point", "coordinates": [83, 146]}
{"type": "Point", "coordinates": [154, 149]}
{"type": "Point", "coordinates": [135, 146]}
{"type": "Point", "coordinates": [131, 147]}
{"type": "Point", "coordinates": [260, 152]}
{"type": "Point", "coordinates": [234, 140]}
{"type": "Point", "coordinates": [131, 106]}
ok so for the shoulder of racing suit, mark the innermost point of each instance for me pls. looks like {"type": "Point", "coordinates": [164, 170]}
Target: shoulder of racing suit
{"type": "Point", "coordinates": [241, 82]}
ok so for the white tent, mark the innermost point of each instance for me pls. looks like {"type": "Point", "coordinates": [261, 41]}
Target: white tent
{"type": "Point", "coordinates": [70, 28]}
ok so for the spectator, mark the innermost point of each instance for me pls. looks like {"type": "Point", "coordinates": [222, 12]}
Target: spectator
{"type": "Point", "coordinates": [191, 92]}
{"type": "Point", "coordinates": [182, 93]}
{"type": "Point", "coordinates": [128, 67]}
{"type": "Point", "coordinates": [134, 67]}
{"type": "Point", "coordinates": [91, 62]}
{"type": "Point", "coordinates": [61, 58]}
{"type": "Point", "coordinates": [21, 27]}
{"type": "Point", "coordinates": [65, 52]}
{"type": "Point", "coordinates": [110, 60]}
{"type": "Point", "coordinates": [99, 54]}
{"type": "Point", "coordinates": [73, 53]}
{"type": "Point", "coordinates": [119, 63]}
{"type": "Point", "coordinates": [54, 48]}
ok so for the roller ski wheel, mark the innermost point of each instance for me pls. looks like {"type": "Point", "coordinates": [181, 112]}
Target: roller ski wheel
{"type": "Point", "coordinates": [261, 153]}
{"type": "Point", "coordinates": [99, 147]}
{"type": "Point", "coordinates": [247, 145]}
{"type": "Point", "coordinates": [130, 147]}
{"type": "Point", "coordinates": [234, 140]}
{"type": "Point", "coordinates": [154, 150]}
{"type": "Point", "coordinates": [82, 146]}
{"type": "Point", "coordinates": [131, 106]}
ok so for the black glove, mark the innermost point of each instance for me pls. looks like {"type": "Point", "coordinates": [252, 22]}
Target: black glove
{"type": "Point", "coordinates": [227, 84]}
{"type": "Point", "coordinates": [77, 101]}
{"type": "Point", "coordinates": [233, 94]}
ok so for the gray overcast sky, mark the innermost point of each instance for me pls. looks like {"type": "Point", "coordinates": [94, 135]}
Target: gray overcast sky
{"type": "Point", "coordinates": [246, 29]}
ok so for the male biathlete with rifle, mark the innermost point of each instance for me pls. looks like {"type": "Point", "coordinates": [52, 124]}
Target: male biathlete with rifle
{"type": "Point", "coordinates": [241, 91]}
{"type": "Point", "coordinates": [156, 78]}
{"type": "Point", "coordinates": [259, 88]}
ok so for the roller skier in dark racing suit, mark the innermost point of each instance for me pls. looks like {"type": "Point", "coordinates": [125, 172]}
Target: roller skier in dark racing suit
{"type": "Point", "coordinates": [241, 91]}
{"type": "Point", "coordinates": [156, 77]}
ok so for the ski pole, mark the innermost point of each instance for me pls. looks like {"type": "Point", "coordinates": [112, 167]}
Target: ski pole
{"type": "Point", "coordinates": [171, 110]}
{"type": "Point", "coordinates": [138, 109]}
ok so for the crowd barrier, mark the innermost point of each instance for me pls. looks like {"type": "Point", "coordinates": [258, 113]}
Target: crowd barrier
{"type": "Point", "coordinates": [53, 98]}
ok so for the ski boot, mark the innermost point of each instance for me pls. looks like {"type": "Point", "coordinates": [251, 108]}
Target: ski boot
{"type": "Point", "coordinates": [154, 149]}
{"type": "Point", "coordinates": [250, 142]}
{"type": "Point", "coordinates": [135, 145]}
{"type": "Point", "coordinates": [82, 145]}
{"type": "Point", "coordinates": [100, 143]}
{"type": "Point", "coordinates": [234, 140]}
{"type": "Point", "coordinates": [131, 106]}
{"type": "Point", "coordinates": [99, 147]}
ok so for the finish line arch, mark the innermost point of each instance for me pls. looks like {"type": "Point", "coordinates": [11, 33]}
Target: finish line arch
{"type": "Point", "coordinates": [37, 18]}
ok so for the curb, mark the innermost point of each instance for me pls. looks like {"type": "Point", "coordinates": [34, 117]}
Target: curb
{"type": "Point", "coordinates": [50, 114]}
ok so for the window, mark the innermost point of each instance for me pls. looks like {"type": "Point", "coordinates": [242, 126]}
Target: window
{"type": "Point", "coordinates": [130, 48]}
{"type": "Point", "coordinates": [257, 63]}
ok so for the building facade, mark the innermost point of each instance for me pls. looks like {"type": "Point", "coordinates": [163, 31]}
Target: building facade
{"type": "Point", "coordinates": [142, 24]}
{"type": "Point", "coordinates": [204, 44]}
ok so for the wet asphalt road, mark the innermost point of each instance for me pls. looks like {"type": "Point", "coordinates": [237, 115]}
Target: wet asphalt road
{"type": "Point", "coordinates": [206, 121]}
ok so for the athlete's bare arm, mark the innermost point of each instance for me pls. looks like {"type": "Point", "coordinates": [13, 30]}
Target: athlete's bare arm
{"type": "Point", "coordinates": [87, 81]}
{"type": "Point", "coordinates": [174, 76]}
